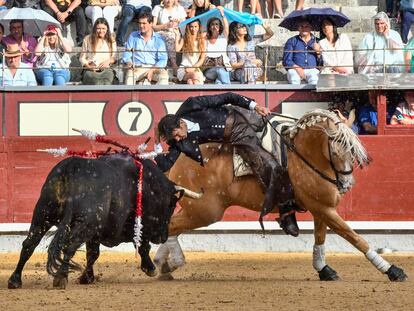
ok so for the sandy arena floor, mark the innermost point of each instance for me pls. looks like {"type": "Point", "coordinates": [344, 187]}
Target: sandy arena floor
{"type": "Point", "coordinates": [214, 281]}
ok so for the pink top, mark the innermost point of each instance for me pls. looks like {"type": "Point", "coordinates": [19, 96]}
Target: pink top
{"type": "Point", "coordinates": [30, 42]}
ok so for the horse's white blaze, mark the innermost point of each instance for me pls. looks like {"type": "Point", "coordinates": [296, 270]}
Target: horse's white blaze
{"type": "Point", "coordinates": [318, 260]}
{"type": "Point", "coordinates": [380, 263]}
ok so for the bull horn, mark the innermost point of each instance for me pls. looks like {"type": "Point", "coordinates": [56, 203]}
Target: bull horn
{"type": "Point", "coordinates": [189, 193]}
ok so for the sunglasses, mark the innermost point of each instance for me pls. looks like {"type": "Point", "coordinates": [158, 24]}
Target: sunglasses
{"type": "Point", "coordinates": [49, 34]}
{"type": "Point", "coordinates": [239, 26]}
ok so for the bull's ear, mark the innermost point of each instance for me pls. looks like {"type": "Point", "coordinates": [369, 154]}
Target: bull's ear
{"type": "Point", "coordinates": [179, 194]}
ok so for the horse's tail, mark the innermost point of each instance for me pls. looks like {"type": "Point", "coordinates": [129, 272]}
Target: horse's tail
{"type": "Point", "coordinates": [61, 237]}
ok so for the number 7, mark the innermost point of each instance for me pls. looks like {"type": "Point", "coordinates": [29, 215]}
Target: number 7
{"type": "Point", "coordinates": [135, 121]}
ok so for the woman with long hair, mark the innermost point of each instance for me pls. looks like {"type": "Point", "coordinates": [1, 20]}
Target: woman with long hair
{"type": "Point", "coordinates": [53, 59]}
{"type": "Point", "coordinates": [247, 68]}
{"type": "Point", "coordinates": [336, 50]}
{"type": "Point", "coordinates": [217, 64]}
{"type": "Point", "coordinates": [98, 54]}
{"type": "Point", "coordinates": [192, 45]}
{"type": "Point", "coordinates": [167, 16]}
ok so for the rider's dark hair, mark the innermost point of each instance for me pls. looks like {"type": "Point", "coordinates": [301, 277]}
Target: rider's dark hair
{"type": "Point", "coordinates": [167, 125]}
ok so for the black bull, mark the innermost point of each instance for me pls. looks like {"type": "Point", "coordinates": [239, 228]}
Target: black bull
{"type": "Point", "coordinates": [93, 201]}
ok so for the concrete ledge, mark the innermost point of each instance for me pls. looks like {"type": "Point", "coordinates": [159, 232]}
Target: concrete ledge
{"type": "Point", "coordinates": [397, 236]}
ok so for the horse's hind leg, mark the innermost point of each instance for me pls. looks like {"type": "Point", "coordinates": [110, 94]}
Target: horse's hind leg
{"type": "Point", "coordinates": [92, 254]}
{"type": "Point", "coordinates": [336, 223]}
{"type": "Point", "coordinates": [169, 257]}
{"type": "Point", "coordinates": [37, 230]}
{"type": "Point", "coordinates": [326, 273]}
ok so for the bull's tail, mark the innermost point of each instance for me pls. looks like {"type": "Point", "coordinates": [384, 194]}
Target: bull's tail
{"type": "Point", "coordinates": [60, 240]}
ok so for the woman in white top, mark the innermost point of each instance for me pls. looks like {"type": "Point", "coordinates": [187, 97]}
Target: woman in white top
{"type": "Point", "coordinates": [193, 48]}
{"type": "Point", "coordinates": [53, 59]}
{"type": "Point", "coordinates": [167, 16]}
{"type": "Point", "coordinates": [217, 64]}
{"type": "Point", "coordinates": [336, 50]}
{"type": "Point", "coordinates": [98, 54]}
{"type": "Point", "coordinates": [108, 9]}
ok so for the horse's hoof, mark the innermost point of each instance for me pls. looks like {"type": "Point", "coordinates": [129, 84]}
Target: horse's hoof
{"type": "Point", "coordinates": [328, 274]}
{"type": "Point", "coordinates": [60, 282]}
{"type": "Point", "coordinates": [13, 284]}
{"type": "Point", "coordinates": [150, 272]}
{"type": "Point", "coordinates": [165, 277]}
{"type": "Point", "coordinates": [86, 279]}
{"type": "Point", "coordinates": [174, 264]}
{"type": "Point", "coordinates": [396, 274]}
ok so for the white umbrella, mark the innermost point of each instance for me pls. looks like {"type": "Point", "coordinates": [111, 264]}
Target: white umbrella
{"type": "Point", "coordinates": [35, 21]}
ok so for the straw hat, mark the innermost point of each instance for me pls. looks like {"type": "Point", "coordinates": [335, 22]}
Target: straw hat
{"type": "Point", "coordinates": [12, 50]}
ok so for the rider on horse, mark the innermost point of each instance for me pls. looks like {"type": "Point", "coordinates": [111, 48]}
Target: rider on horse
{"type": "Point", "coordinates": [234, 119]}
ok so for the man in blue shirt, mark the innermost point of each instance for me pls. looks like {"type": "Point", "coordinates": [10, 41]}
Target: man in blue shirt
{"type": "Point", "coordinates": [146, 54]}
{"type": "Point", "coordinates": [301, 56]}
{"type": "Point", "coordinates": [16, 73]}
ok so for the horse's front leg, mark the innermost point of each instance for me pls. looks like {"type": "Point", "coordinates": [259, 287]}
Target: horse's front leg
{"type": "Point", "coordinates": [336, 223]}
{"type": "Point", "coordinates": [326, 273]}
{"type": "Point", "coordinates": [169, 257]}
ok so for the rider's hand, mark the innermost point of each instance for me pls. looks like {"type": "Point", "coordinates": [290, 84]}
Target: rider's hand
{"type": "Point", "coordinates": [263, 111]}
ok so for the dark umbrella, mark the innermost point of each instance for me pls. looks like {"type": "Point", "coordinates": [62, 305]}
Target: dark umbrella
{"type": "Point", "coordinates": [314, 16]}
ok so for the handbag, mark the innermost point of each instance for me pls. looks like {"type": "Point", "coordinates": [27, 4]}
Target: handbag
{"type": "Point", "coordinates": [103, 3]}
{"type": "Point", "coordinates": [210, 62]}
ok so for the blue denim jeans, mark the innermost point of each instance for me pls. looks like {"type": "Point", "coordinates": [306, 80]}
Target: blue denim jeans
{"type": "Point", "coordinates": [218, 74]}
{"type": "Point", "coordinates": [52, 77]}
{"type": "Point", "coordinates": [128, 14]}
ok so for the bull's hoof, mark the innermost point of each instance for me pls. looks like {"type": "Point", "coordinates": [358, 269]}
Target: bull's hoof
{"type": "Point", "coordinates": [86, 278]}
{"type": "Point", "coordinates": [328, 274]}
{"type": "Point", "coordinates": [396, 274]}
{"type": "Point", "coordinates": [60, 282]}
{"type": "Point", "coordinates": [14, 282]}
{"type": "Point", "coordinates": [165, 277]}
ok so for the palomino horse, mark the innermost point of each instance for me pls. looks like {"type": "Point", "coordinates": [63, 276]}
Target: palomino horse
{"type": "Point", "coordinates": [321, 157]}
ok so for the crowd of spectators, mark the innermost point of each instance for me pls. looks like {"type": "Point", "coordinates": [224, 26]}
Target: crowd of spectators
{"type": "Point", "coordinates": [215, 53]}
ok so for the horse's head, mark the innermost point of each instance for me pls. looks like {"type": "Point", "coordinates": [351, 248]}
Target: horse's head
{"type": "Point", "coordinates": [336, 148]}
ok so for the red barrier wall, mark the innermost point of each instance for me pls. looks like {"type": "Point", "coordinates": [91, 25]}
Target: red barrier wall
{"type": "Point", "coordinates": [383, 190]}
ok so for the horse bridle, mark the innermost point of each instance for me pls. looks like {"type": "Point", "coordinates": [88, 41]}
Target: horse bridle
{"type": "Point", "coordinates": [291, 146]}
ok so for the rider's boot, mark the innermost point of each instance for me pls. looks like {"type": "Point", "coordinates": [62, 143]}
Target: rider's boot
{"type": "Point", "coordinates": [287, 220]}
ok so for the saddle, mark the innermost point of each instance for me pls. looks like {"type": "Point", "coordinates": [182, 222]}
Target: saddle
{"type": "Point", "coordinates": [271, 142]}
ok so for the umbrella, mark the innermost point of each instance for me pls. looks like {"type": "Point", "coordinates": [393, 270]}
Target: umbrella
{"type": "Point", "coordinates": [245, 18]}
{"type": "Point", "coordinates": [35, 21]}
{"type": "Point", "coordinates": [315, 16]}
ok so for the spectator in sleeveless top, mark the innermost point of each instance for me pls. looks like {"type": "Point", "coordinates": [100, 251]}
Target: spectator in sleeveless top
{"type": "Point", "coordinates": [216, 46]}
{"type": "Point", "coordinates": [98, 54]}
{"type": "Point", "coordinates": [201, 6]}
{"type": "Point", "coordinates": [336, 50]}
{"type": "Point", "coordinates": [53, 59]}
{"type": "Point", "coordinates": [193, 47]}
{"type": "Point", "coordinates": [130, 10]}
{"type": "Point", "coordinates": [247, 68]}
{"type": "Point", "coordinates": [27, 43]}
{"type": "Point", "coordinates": [167, 16]}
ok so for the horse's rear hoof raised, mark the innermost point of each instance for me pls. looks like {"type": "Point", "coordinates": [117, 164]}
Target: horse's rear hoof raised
{"type": "Point", "coordinates": [396, 274]}
{"type": "Point", "coordinates": [328, 274]}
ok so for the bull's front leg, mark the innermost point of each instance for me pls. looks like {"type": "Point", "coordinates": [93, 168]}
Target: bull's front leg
{"type": "Point", "coordinates": [146, 263]}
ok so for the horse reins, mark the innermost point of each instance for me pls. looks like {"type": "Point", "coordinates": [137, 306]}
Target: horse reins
{"type": "Point", "coordinates": [291, 146]}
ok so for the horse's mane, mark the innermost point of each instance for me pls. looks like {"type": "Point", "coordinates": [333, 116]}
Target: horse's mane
{"type": "Point", "coordinates": [341, 136]}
